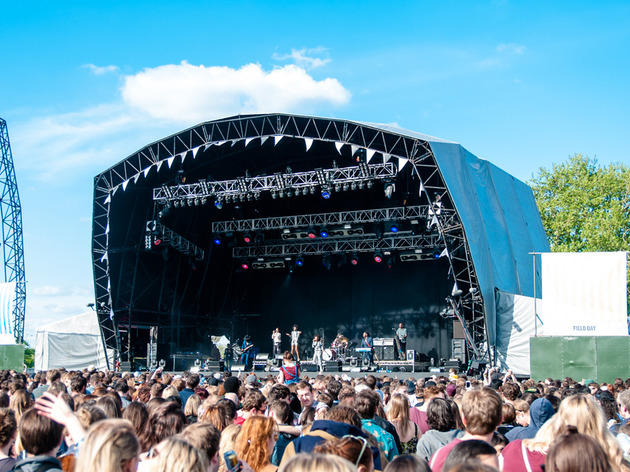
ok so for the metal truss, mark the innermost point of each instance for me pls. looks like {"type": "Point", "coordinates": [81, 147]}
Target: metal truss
{"type": "Point", "coordinates": [323, 219]}
{"type": "Point", "coordinates": [330, 246]}
{"type": "Point", "coordinates": [12, 244]}
{"type": "Point", "coordinates": [160, 234]}
{"type": "Point", "coordinates": [238, 132]}
{"type": "Point", "coordinates": [280, 182]}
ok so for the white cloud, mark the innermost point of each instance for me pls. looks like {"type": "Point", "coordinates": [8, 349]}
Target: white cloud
{"type": "Point", "coordinates": [304, 57]}
{"type": "Point", "coordinates": [100, 70]}
{"type": "Point", "coordinates": [45, 290]}
{"type": "Point", "coordinates": [156, 102]}
{"type": "Point", "coordinates": [511, 48]}
{"type": "Point", "coordinates": [197, 93]}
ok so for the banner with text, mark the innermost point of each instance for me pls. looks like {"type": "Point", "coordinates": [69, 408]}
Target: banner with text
{"type": "Point", "coordinates": [584, 294]}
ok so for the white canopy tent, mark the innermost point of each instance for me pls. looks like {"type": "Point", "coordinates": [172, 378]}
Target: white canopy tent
{"type": "Point", "coordinates": [74, 343]}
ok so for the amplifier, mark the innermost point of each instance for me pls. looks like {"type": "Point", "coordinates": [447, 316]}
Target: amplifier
{"type": "Point", "coordinates": [383, 342]}
{"type": "Point", "coordinates": [332, 366]}
{"type": "Point", "coordinates": [385, 353]}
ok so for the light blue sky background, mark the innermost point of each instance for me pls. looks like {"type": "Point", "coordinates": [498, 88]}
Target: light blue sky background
{"type": "Point", "coordinates": [522, 84]}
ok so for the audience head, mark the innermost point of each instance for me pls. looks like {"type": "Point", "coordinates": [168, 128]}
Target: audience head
{"type": "Point", "coordinates": [481, 411]}
{"type": "Point", "coordinates": [256, 440]}
{"type": "Point", "coordinates": [110, 446]}
{"type": "Point", "coordinates": [573, 451]}
{"type": "Point", "coordinates": [318, 463]}
{"type": "Point", "coordinates": [471, 449]}
{"type": "Point", "coordinates": [38, 434]}
{"type": "Point", "coordinates": [355, 449]}
{"type": "Point", "coordinates": [408, 463]}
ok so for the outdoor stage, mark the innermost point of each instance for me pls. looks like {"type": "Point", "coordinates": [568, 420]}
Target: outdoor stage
{"type": "Point", "coordinates": [241, 225]}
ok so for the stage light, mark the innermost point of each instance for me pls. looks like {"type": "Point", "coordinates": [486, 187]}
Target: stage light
{"type": "Point", "coordinates": [378, 257]}
{"type": "Point", "coordinates": [204, 200]}
{"type": "Point", "coordinates": [274, 194]}
{"type": "Point", "coordinates": [289, 193]}
{"type": "Point", "coordinates": [370, 184]}
{"type": "Point", "coordinates": [299, 261]}
{"type": "Point", "coordinates": [361, 184]}
{"type": "Point", "coordinates": [218, 204]}
{"type": "Point", "coordinates": [323, 233]}
{"type": "Point", "coordinates": [311, 234]}
{"type": "Point", "coordinates": [286, 231]}
{"type": "Point", "coordinates": [345, 187]}
{"type": "Point", "coordinates": [354, 259]}
{"type": "Point", "coordinates": [281, 193]}
{"type": "Point", "coordinates": [311, 190]}
{"type": "Point", "coordinates": [325, 193]}
{"type": "Point", "coordinates": [353, 186]}
{"type": "Point", "coordinates": [337, 187]}
{"type": "Point", "coordinates": [247, 238]}
{"type": "Point", "coordinates": [197, 202]}
{"type": "Point", "coordinates": [393, 228]}
{"type": "Point", "coordinates": [157, 242]}
{"type": "Point", "coordinates": [217, 241]}
{"type": "Point", "coordinates": [389, 189]}
{"type": "Point", "coordinates": [437, 254]}
{"type": "Point", "coordinates": [244, 266]}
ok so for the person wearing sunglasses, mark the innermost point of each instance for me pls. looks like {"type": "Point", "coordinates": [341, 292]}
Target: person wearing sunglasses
{"type": "Point", "coordinates": [355, 449]}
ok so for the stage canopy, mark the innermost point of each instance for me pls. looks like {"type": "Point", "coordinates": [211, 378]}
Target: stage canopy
{"type": "Point", "coordinates": [213, 180]}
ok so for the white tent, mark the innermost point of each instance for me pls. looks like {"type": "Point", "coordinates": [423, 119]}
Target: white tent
{"type": "Point", "coordinates": [74, 343]}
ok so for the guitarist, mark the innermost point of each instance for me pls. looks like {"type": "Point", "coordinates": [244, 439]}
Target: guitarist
{"type": "Point", "coordinates": [247, 355]}
{"type": "Point", "coordinates": [401, 341]}
{"type": "Point", "coordinates": [368, 342]}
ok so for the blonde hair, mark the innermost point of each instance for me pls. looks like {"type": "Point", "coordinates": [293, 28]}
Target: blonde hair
{"type": "Point", "coordinates": [170, 391]}
{"type": "Point", "coordinates": [192, 405]}
{"type": "Point", "coordinates": [226, 443]}
{"type": "Point", "coordinates": [108, 445]}
{"type": "Point", "coordinates": [399, 411]}
{"type": "Point", "coordinates": [252, 444]}
{"type": "Point", "coordinates": [317, 463]}
{"type": "Point", "coordinates": [588, 418]}
{"type": "Point", "coordinates": [178, 455]}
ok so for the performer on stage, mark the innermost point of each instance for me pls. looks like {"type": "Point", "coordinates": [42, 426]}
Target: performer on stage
{"type": "Point", "coordinates": [276, 338]}
{"type": "Point", "coordinates": [295, 338]}
{"type": "Point", "coordinates": [368, 342]}
{"type": "Point", "coordinates": [401, 341]}
{"type": "Point", "coordinates": [247, 355]}
{"type": "Point", "coordinates": [340, 344]}
{"type": "Point", "coordinates": [318, 349]}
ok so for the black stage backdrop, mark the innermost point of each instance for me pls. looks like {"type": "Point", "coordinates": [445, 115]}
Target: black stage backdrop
{"type": "Point", "coordinates": [369, 297]}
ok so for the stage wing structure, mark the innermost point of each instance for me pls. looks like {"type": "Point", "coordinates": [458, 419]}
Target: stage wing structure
{"type": "Point", "coordinates": [477, 219]}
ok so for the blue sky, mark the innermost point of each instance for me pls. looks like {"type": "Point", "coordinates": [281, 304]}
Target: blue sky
{"type": "Point", "coordinates": [522, 84]}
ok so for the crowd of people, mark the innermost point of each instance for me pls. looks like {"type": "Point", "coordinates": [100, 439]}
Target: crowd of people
{"type": "Point", "coordinates": [123, 422]}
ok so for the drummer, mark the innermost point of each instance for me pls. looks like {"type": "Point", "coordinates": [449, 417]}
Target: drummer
{"type": "Point", "coordinates": [340, 343]}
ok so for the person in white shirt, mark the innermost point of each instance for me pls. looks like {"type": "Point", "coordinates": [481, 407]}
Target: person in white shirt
{"type": "Point", "coordinates": [295, 338]}
{"type": "Point", "coordinates": [276, 338]}
{"type": "Point", "coordinates": [318, 349]}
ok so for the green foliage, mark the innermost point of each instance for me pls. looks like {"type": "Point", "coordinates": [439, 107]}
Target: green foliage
{"type": "Point", "coordinates": [583, 206]}
{"type": "Point", "coordinates": [29, 357]}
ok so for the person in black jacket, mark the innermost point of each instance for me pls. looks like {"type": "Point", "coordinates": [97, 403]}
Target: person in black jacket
{"type": "Point", "coordinates": [41, 438]}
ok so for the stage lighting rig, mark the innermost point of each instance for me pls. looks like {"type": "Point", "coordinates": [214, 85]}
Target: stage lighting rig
{"type": "Point", "coordinates": [241, 187]}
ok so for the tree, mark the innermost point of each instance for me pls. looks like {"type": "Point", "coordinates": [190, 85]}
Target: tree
{"type": "Point", "coordinates": [583, 206]}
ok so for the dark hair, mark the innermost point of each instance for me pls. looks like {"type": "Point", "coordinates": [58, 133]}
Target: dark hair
{"type": "Point", "coordinates": [253, 399]}
{"type": "Point", "coordinates": [574, 451]}
{"type": "Point", "coordinates": [192, 381]}
{"type": "Point", "coordinates": [229, 407]}
{"type": "Point", "coordinates": [38, 434]}
{"type": "Point", "coordinates": [282, 410]}
{"type": "Point", "coordinates": [302, 385]}
{"type": "Point", "coordinates": [333, 387]}
{"type": "Point", "coordinates": [440, 415]}
{"type": "Point", "coordinates": [510, 391]}
{"type": "Point", "coordinates": [8, 426]}
{"type": "Point", "coordinates": [366, 403]}
{"type": "Point", "coordinates": [231, 385]}
{"type": "Point", "coordinates": [344, 414]}
{"type": "Point", "coordinates": [509, 413]}
{"type": "Point", "coordinates": [370, 381]}
{"type": "Point", "coordinates": [137, 414]}
{"type": "Point", "coordinates": [78, 384]}
{"type": "Point", "coordinates": [166, 420]}
{"type": "Point", "coordinates": [278, 392]}
{"type": "Point", "coordinates": [109, 406]}
{"type": "Point", "coordinates": [408, 463]}
{"type": "Point", "coordinates": [466, 450]}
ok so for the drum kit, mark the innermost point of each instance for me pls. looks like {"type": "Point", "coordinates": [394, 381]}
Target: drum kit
{"type": "Point", "coordinates": [337, 350]}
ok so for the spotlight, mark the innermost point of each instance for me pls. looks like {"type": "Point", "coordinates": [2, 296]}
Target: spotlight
{"type": "Point", "coordinates": [299, 261]}
{"type": "Point", "coordinates": [217, 241]}
{"type": "Point", "coordinates": [345, 187]}
{"type": "Point", "coordinates": [274, 195]}
{"type": "Point", "coordinates": [244, 266]}
{"type": "Point", "coordinates": [389, 189]}
{"type": "Point", "coordinates": [311, 233]}
{"type": "Point", "coordinates": [204, 200]}
{"type": "Point", "coordinates": [393, 228]}
{"type": "Point", "coordinates": [323, 233]}
{"type": "Point", "coordinates": [378, 257]}
{"type": "Point", "coordinates": [353, 186]}
{"type": "Point", "coordinates": [157, 242]}
{"type": "Point", "coordinates": [337, 187]}
{"type": "Point", "coordinates": [325, 193]}
{"type": "Point", "coordinates": [281, 193]}
{"type": "Point", "coordinates": [437, 254]}
{"type": "Point", "coordinates": [311, 190]}
{"type": "Point", "coordinates": [247, 238]}
{"type": "Point", "coordinates": [289, 193]}
{"type": "Point", "coordinates": [218, 204]}
{"type": "Point", "coordinates": [370, 184]}
{"type": "Point", "coordinates": [354, 259]}
{"type": "Point", "coordinates": [361, 184]}
{"type": "Point", "coordinates": [197, 202]}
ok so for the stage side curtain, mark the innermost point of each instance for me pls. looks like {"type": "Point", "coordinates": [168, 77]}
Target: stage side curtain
{"type": "Point", "coordinates": [7, 303]}
{"type": "Point", "coordinates": [585, 293]}
{"type": "Point", "coordinates": [72, 351]}
{"type": "Point", "coordinates": [501, 222]}
{"type": "Point", "coordinates": [515, 321]}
